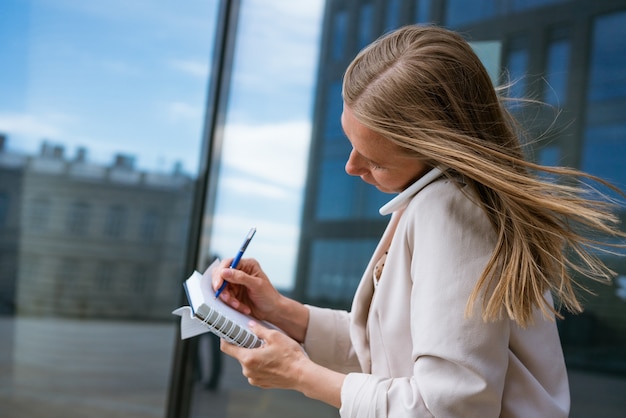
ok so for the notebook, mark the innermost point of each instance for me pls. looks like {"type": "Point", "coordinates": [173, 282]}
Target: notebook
{"type": "Point", "coordinates": [205, 313]}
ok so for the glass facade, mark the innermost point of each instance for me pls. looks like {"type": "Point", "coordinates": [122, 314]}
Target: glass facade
{"type": "Point", "coordinates": [567, 54]}
{"type": "Point", "coordinates": [604, 145]}
{"type": "Point", "coordinates": [101, 118]}
{"type": "Point", "coordinates": [139, 140]}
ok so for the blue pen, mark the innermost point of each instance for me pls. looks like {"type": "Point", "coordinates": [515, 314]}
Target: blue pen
{"type": "Point", "coordinates": [237, 258]}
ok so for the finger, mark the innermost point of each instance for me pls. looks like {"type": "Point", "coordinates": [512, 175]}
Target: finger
{"type": "Point", "coordinates": [221, 275]}
{"type": "Point", "coordinates": [230, 349]}
{"type": "Point", "coordinates": [260, 331]}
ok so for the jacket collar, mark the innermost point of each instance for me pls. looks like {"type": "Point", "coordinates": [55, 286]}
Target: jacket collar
{"type": "Point", "coordinates": [402, 199]}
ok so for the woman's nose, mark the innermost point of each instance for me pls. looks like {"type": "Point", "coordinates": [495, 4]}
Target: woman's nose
{"type": "Point", "coordinates": [354, 166]}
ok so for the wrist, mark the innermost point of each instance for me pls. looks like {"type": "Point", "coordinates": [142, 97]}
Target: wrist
{"type": "Point", "coordinates": [292, 317]}
{"type": "Point", "coordinates": [317, 382]}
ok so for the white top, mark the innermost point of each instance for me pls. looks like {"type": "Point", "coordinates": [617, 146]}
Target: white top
{"type": "Point", "coordinates": [408, 347]}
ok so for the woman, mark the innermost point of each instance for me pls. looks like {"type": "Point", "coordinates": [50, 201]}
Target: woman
{"type": "Point", "coordinates": [454, 315]}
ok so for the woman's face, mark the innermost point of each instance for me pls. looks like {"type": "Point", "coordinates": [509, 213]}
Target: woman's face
{"type": "Point", "coordinates": [377, 160]}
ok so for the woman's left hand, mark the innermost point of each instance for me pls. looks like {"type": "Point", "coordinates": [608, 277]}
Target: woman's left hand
{"type": "Point", "coordinates": [278, 363]}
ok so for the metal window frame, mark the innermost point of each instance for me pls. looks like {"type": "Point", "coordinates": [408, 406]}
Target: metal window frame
{"type": "Point", "coordinates": [183, 360]}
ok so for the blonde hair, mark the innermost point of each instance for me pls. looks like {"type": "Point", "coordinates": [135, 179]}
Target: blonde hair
{"type": "Point", "coordinates": [424, 88]}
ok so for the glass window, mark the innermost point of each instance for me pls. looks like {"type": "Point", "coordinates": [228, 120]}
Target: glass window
{"type": "Point", "coordinates": [340, 29]}
{"type": "Point", "coordinates": [40, 213]}
{"type": "Point", "coordinates": [392, 14]}
{"type": "Point", "coordinates": [334, 106]}
{"type": "Point", "coordinates": [4, 208]}
{"type": "Point", "coordinates": [337, 266]}
{"type": "Point", "coordinates": [517, 66]}
{"type": "Point", "coordinates": [461, 12]}
{"type": "Point", "coordinates": [608, 59]}
{"type": "Point", "coordinates": [251, 183]}
{"type": "Point", "coordinates": [422, 11]}
{"type": "Point", "coordinates": [341, 196]}
{"type": "Point", "coordinates": [149, 225]}
{"type": "Point", "coordinates": [604, 144]}
{"type": "Point", "coordinates": [604, 151]}
{"type": "Point", "coordinates": [78, 218]}
{"type": "Point", "coordinates": [366, 24]}
{"type": "Point", "coordinates": [520, 5]}
{"type": "Point", "coordinates": [116, 221]}
{"type": "Point", "coordinates": [336, 198]}
{"type": "Point", "coordinates": [101, 102]}
{"type": "Point", "coordinates": [105, 276]}
{"type": "Point", "coordinates": [490, 54]}
{"type": "Point", "coordinates": [556, 72]}
{"type": "Point", "coordinates": [267, 134]}
{"type": "Point", "coordinates": [260, 180]}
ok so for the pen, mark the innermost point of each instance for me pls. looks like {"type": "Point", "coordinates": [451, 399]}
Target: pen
{"type": "Point", "coordinates": [237, 258]}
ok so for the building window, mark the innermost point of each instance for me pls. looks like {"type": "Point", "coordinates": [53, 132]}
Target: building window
{"type": "Point", "coordinates": [39, 213]}
{"type": "Point", "coordinates": [78, 218]}
{"type": "Point", "coordinates": [105, 276]}
{"type": "Point", "coordinates": [337, 268]}
{"type": "Point", "coordinates": [521, 5]}
{"type": "Point", "coordinates": [140, 280]}
{"type": "Point", "coordinates": [604, 151]}
{"type": "Point", "coordinates": [463, 12]}
{"type": "Point", "coordinates": [557, 68]}
{"type": "Point", "coordinates": [608, 59]}
{"type": "Point", "coordinates": [392, 14]}
{"type": "Point", "coordinates": [334, 107]}
{"type": "Point", "coordinates": [115, 222]}
{"type": "Point", "coordinates": [4, 209]}
{"type": "Point", "coordinates": [149, 226]}
{"type": "Point", "coordinates": [366, 24]}
{"type": "Point", "coordinates": [340, 31]}
{"type": "Point", "coordinates": [517, 66]}
{"type": "Point", "coordinates": [422, 11]}
{"type": "Point", "coordinates": [605, 133]}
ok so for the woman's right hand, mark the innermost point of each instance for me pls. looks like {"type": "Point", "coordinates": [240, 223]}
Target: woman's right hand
{"type": "Point", "coordinates": [249, 289]}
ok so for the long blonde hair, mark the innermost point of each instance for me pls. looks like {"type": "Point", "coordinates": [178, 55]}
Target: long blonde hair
{"type": "Point", "coordinates": [424, 88]}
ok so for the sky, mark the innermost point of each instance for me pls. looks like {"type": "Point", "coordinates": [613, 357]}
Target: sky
{"type": "Point", "coordinates": [267, 134]}
{"type": "Point", "coordinates": [113, 77]}
{"type": "Point", "coordinates": [130, 77]}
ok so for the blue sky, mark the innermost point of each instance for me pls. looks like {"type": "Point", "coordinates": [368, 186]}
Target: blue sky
{"type": "Point", "coordinates": [112, 76]}
{"type": "Point", "coordinates": [131, 77]}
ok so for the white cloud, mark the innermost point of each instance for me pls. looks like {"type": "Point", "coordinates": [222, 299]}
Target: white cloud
{"type": "Point", "coordinates": [174, 17]}
{"type": "Point", "coordinates": [185, 112]}
{"type": "Point", "coordinates": [252, 187]}
{"type": "Point", "coordinates": [275, 244]}
{"type": "Point", "coordinates": [279, 42]}
{"type": "Point", "coordinates": [196, 68]}
{"type": "Point", "coordinates": [275, 152]}
{"type": "Point", "coordinates": [24, 124]}
{"type": "Point", "coordinates": [120, 67]}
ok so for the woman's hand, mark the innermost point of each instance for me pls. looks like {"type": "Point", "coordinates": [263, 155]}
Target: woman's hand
{"type": "Point", "coordinates": [282, 364]}
{"type": "Point", "coordinates": [276, 364]}
{"type": "Point", "coordinates": [249, 289]}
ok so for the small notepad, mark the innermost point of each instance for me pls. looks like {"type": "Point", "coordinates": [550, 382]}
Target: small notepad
{"type": "Point", "coordinates": [205, 313]}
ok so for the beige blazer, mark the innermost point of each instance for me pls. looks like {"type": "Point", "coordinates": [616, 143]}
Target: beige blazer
{"type": "Point", "coordinates": [407, 346]}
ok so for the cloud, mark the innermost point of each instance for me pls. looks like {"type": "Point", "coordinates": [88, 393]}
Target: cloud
{"type": "Point", "coordinates": [275, 244]}
{"type": "Point", "coordinates": [183, 19]}
{"type": "Point", "coordinates": [184, 112]}
{"type": "Point", "coordinates": [250, 187]}
{"type": "Point", "coordinates": [196, 68]}
{"type": "Point", "coordinates": [274, 152]}
{"type": "Point", "coordinates": [24, 124]}
{"type": "Point", "coordinates": [120, 67]}
{"type": "Point", "coordinates": [279, 42]}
